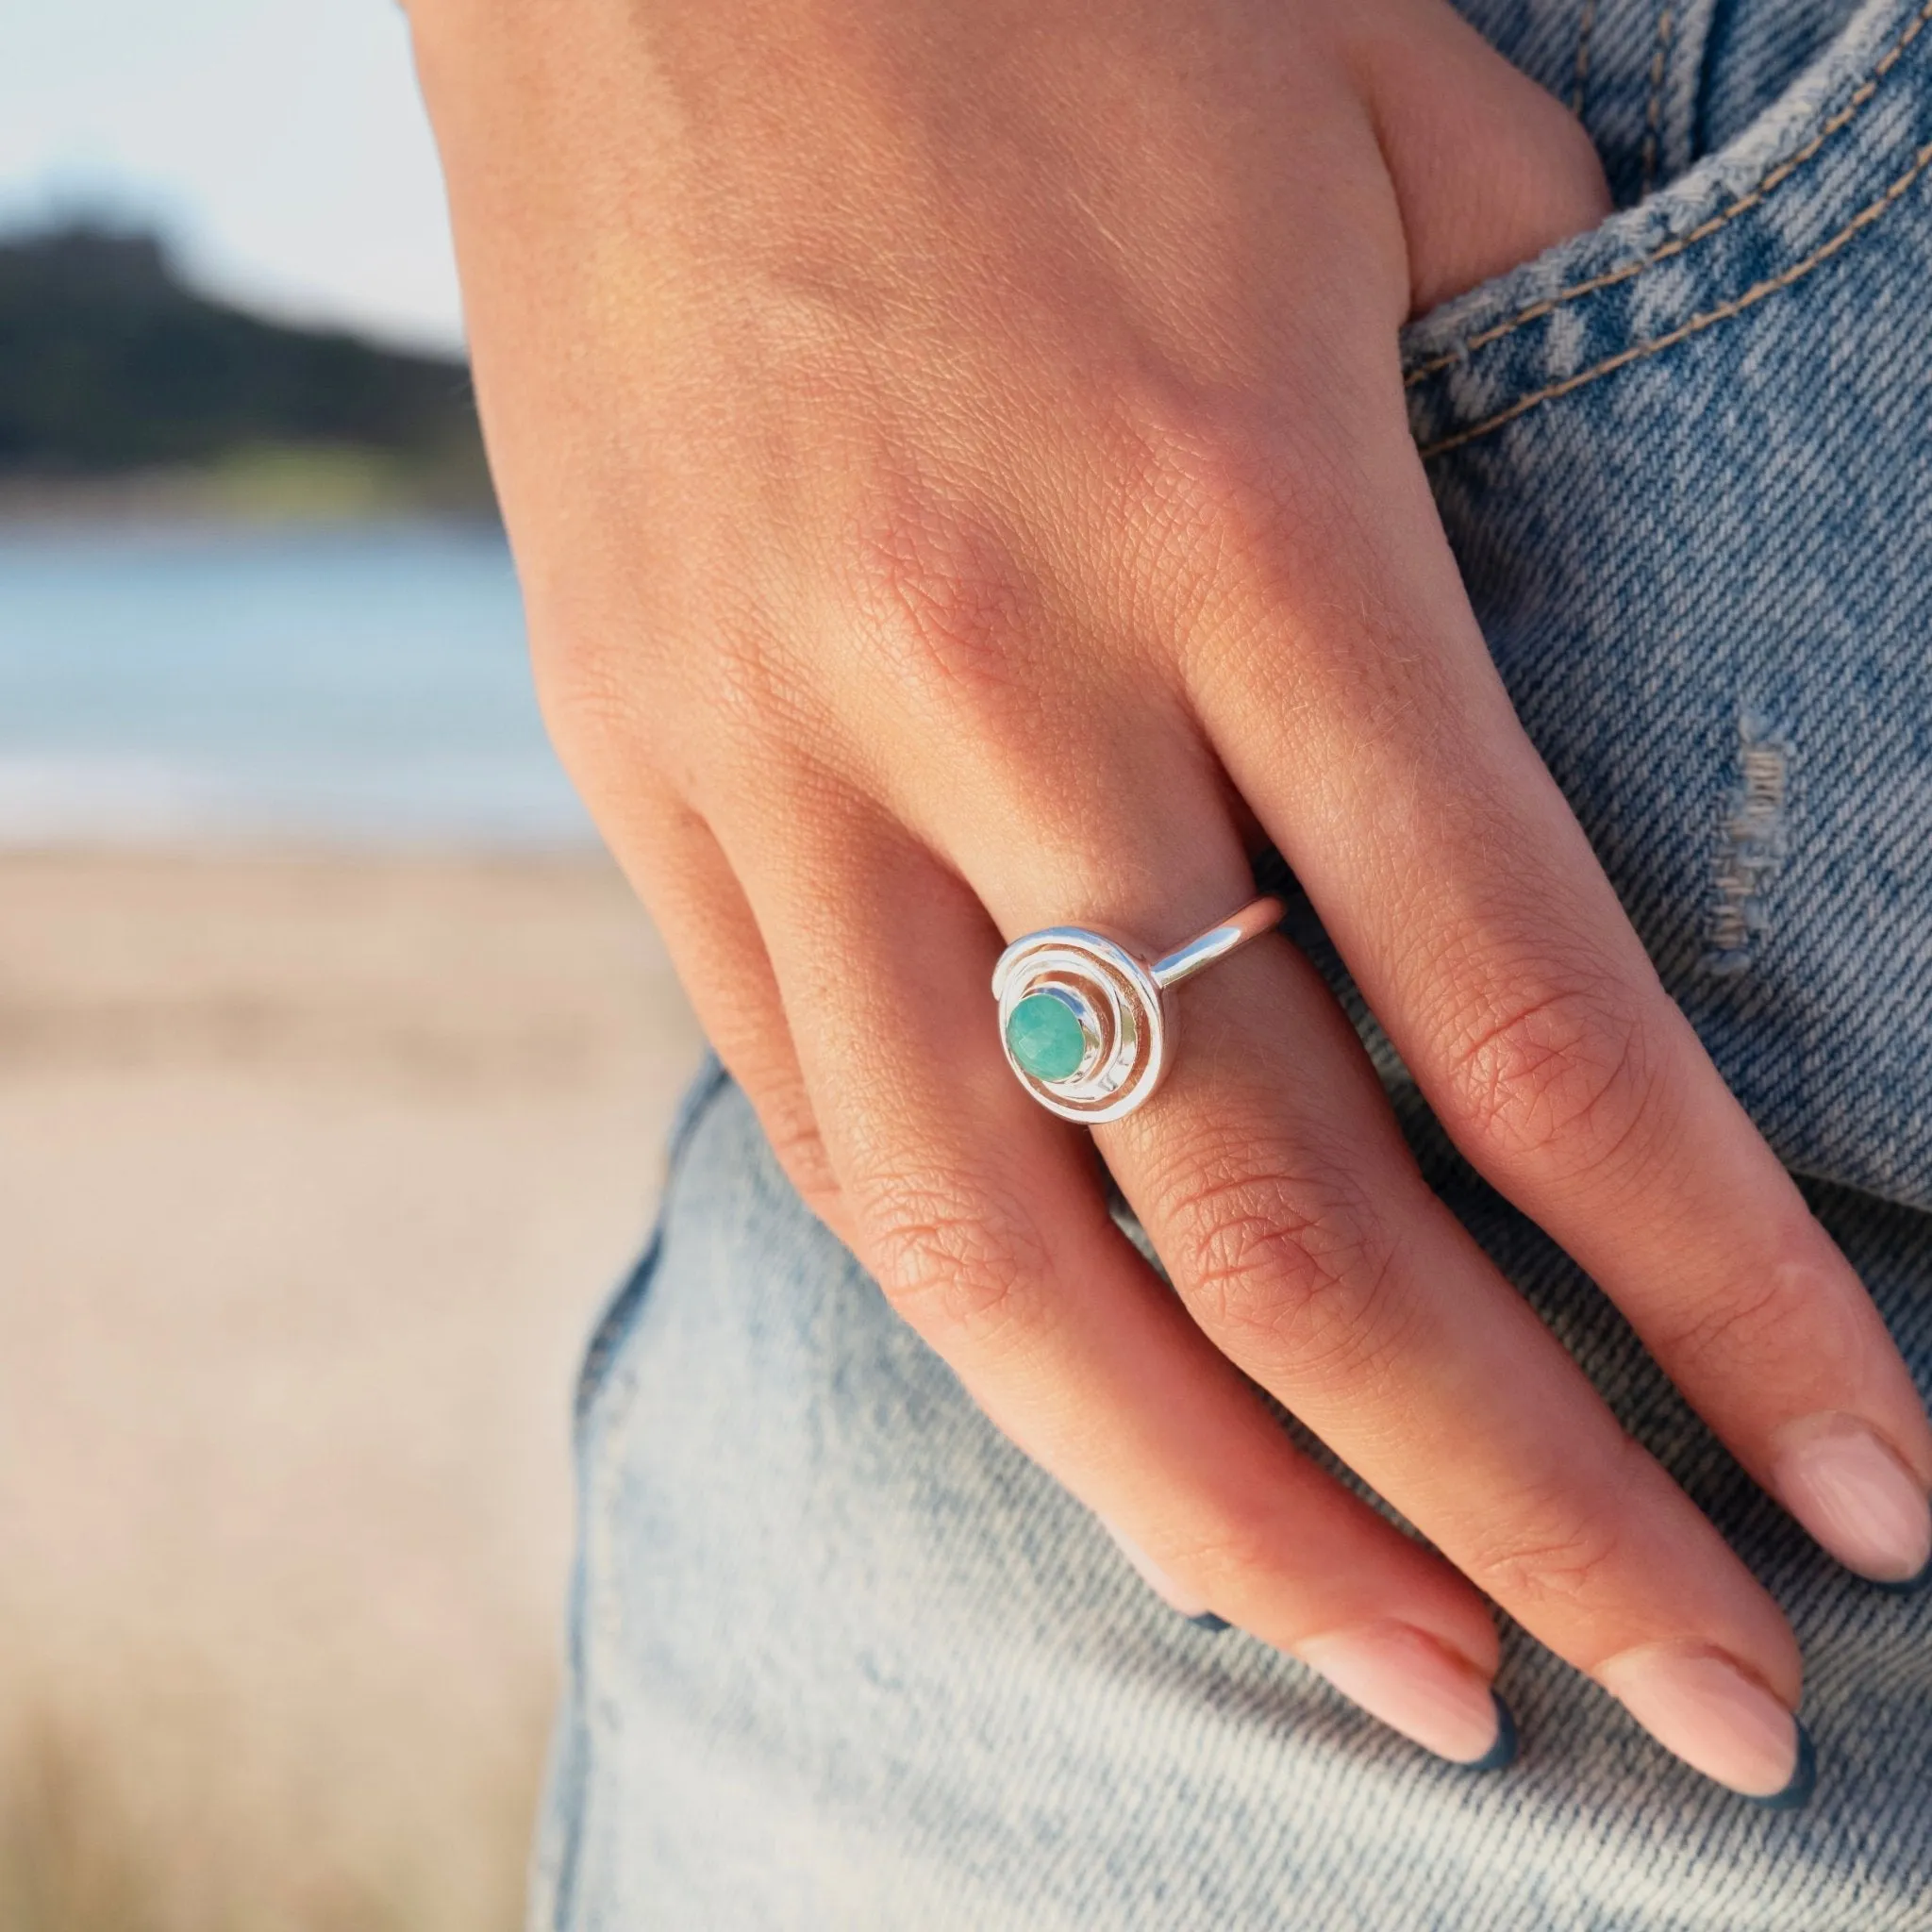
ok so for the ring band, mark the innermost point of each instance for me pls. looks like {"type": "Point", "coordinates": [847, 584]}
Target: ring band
{"type": "Point", "coordinates": [1088, 1021]}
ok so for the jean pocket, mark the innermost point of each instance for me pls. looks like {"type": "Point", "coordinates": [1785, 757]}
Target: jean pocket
{"type": "Point", "coordinates": [1680, 459]}
{"type": "Point", "coordinates": [1818, 171]}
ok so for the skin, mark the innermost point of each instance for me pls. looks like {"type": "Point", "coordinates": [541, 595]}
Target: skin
{"type": "Point", "coordinates": [955, 459]}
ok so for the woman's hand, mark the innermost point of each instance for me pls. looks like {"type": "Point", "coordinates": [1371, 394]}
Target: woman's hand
{"type": "Point", "coordinates": [955, 458]}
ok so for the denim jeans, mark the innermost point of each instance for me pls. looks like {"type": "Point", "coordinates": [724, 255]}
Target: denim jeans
{"type": "Point", "coordinates": [842, 1658]}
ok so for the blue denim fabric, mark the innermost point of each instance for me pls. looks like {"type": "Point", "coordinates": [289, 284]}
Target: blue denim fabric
{"type": "Point", "coordinates": [1660, 83]}
{"type": "Point", "coordinates": [843, 1660]}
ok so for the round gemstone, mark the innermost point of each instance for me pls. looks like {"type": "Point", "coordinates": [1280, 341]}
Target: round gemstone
{"type": "Point", "coordinates": [1046, 1036]}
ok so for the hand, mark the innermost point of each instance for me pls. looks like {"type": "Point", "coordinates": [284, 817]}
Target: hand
{"type": "Point", "coordinates": [955, 459]}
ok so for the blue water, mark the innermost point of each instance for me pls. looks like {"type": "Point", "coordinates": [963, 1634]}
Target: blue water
{"type": "Point", "coordinates": [341, 685]}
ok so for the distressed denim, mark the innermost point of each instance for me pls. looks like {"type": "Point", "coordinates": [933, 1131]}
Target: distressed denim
{"type": "Point", "coordinates": [842, 1658]}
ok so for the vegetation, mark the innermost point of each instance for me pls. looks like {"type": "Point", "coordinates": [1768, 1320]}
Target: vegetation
{"type": "Point", "coordinates": [83, 1848]}
{"type": "Point", "coordinates": [111, 367]}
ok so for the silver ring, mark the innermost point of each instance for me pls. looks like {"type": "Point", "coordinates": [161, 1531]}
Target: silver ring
{"type": "Point", "coordinates": [1088, 1021]}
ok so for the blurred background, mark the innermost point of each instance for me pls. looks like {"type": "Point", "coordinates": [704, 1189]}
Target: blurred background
{"type": "Point", "coordinates": [334, 1058]}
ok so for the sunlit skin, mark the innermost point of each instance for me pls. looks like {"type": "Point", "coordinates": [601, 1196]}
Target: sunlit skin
{"type": "Point", "coordinates": [957, 464]}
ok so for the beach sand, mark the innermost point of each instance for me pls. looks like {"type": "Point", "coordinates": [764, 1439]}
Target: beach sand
{"type": "Point", "coordinates": [312, 1173]}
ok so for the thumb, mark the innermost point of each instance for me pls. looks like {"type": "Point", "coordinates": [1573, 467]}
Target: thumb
{"type": "Point", "coordinates": [1489, 170]}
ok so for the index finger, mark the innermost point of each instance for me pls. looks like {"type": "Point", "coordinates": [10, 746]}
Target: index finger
{"type": "Point", "coordinates": [1458, 887]}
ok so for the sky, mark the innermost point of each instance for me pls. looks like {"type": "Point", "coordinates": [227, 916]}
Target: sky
{"type": "Point", "coordinates": [281, 145]}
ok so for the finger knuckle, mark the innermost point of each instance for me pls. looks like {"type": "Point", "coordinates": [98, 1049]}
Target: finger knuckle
{"type": "Point", "coordinates": [586, 686]}
{"type": "Point", "coordinates": [1213, 504]}
{"type": "Point", "coordinates": [939, 601]}
{"type": "Point", "coordinates": [1284, 1261]}
{"type": "Point", "coordinates": [1564, 1077]}
{"type": "Point", "coordinates": [959, 1262]}
{"type": "Point", "coordinates": [1213, 480]}
{"type": "Point", "coordinates": [1223, 1555]}
{"type": "Point", "coordinates": [799, 1148]}
{"type": "Point", "coordinates": [604, 706]}
{"type": "Point", "coordinates": [1764, 1329]}
{"type": "Point", "coordinates": [1552, 1556]}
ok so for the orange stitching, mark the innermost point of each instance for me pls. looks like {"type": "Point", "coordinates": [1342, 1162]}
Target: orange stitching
{"type": "Point", "coordinates": [1777, 177]}
{"type": "Point", "coordinates": [1697, 323]}
{"type": "Point", "coordinates": [1584, 28]}
{"type": "Point", "coordinates": [1652, 113]}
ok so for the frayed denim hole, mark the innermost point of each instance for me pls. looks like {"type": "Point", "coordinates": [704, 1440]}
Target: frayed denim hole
{"type": "Point", "coordinates": [1753, 841]}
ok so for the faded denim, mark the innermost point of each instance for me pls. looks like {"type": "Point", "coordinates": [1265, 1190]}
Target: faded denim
{"type": "Point", "coordinates": [841, 1659]}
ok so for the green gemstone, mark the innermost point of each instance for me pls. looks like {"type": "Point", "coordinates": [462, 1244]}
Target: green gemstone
{"type": "Point", "coordinates": [1047, 1036]}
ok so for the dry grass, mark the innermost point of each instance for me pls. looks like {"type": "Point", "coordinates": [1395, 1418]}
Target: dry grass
{"type": "Point", "coordinates": [311, 1176]}
{"type": "Point", "coordinates": [69, 1860]}
{"type": "Point", "coordinates": [87, 1845]}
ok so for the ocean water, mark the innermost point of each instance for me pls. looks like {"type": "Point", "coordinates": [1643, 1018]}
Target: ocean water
{"type": "Point", "coordinates": [334, 685]}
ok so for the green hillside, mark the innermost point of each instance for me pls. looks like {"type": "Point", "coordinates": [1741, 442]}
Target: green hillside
{"type": "Point", "coordinates": [110, 367]}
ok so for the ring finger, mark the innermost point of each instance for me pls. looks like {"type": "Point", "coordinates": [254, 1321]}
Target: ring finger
{"type": "Point", "coordinates": [1271, 1178]}
{"type": "Point", "coordinates": [985, 1221]}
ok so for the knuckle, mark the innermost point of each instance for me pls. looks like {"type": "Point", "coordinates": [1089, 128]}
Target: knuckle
{"type": "Point", "coordinates": [1214, 501]}
{"type": "Point", "coordinates": [1762, 1330]}
{"type": "Point", "coordinates": [714, 704]}
{"type": "Point", "coordinates": [1552, 1556]}
{"type": "Point", "coordinates": [1222, 506]}
{"type": "Point", "coordinates": [586, 687]}
{"type": "Point", "coordinates": [955, 1261]}
{"type": "Point", "coordinates": [1565, 1077]}
{"type": "Point", "coordinates": [938, 601]}
{"type": "Point", "coordinates": [1283, 1261]}
{"type": "Point", "coordinates": [1213, 479]}
{"type": "Point", "coordinates": [1221, 1557]}
{"type": "Point", "coordinates": [799, 1148]}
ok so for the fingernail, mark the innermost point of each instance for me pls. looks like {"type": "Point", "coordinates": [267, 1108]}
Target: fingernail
{"type": "Point", "coordinates": [1804, 1779]}
{"type": "Point", "coordinates": [1163, 1586]}
{"type": "Point", "coordinates": [1701, 1706]}
{"type": "Point", "coordinates": [1856, 1498]}
{"type": "Point", "coordinates": [1418, 1687]}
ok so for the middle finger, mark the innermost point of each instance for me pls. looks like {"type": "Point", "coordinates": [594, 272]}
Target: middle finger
{"type": "Point", "coordinates": [1271, 1178]}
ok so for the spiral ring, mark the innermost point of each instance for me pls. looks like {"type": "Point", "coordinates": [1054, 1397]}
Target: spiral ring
{"type": "Point", "coordinates": [1088, 1025]}
{"type": "Point", "coordinates": [1113, 1001]}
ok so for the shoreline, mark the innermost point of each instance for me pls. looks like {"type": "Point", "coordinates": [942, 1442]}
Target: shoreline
{"type": "Point", "coordinates": [270, 486]}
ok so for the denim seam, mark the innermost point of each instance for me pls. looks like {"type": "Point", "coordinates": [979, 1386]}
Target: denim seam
{"type": "Point", "coordinates": [1775, 178]}
{"type": "Point", "coordinates": [1653, 106]}
{"type": "Point", "coordinates": [1696, 326]}
{"type": "Point", "coordinates": [1586, 26]}
{"type": "Point", "coordinates": [599, 1411]}
{"type": "Point", "coordinates": [617, 1316]}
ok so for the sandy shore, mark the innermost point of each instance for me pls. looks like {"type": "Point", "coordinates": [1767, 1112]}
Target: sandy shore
{"type": "Point", "coordinates": [311, 1176]}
